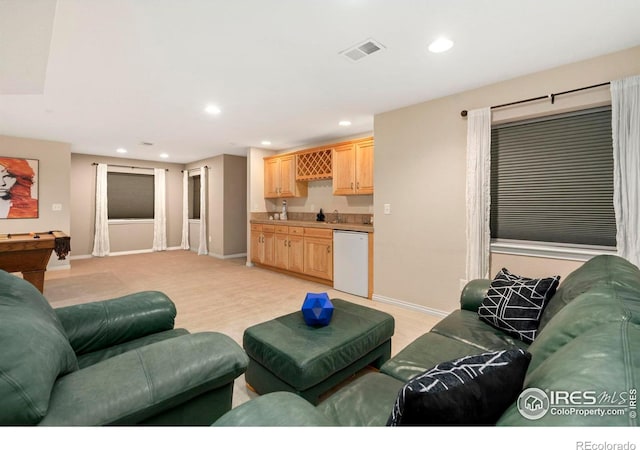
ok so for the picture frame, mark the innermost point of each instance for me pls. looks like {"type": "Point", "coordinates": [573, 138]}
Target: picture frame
{"type": "Point", "coordinates": [19, 186]}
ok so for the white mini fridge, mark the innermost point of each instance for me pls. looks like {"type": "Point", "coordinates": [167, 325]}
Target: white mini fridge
{"type": "Point", "coordinates": [351, 262]}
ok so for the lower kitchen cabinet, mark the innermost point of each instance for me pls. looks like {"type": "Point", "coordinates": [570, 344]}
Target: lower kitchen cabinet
{"type": "Point", "coordinates": [306, 251]}
{"type": "Point", "coordinates": [318, 253]}
{"type": "Point", "coordinates": [288, 248]}
{"type": "Point", "coordinates": [262, 244]}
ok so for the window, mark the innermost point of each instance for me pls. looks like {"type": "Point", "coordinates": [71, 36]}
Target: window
{"type": "Point", "coordinates": [552, 180]}
{"type": "Point", "coordinates": [130, 195]}
{"type": "Point", "coordinates": [194, 197]}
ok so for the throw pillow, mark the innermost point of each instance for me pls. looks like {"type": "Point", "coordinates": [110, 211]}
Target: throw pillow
{"type": "Point", "coordinates": [473, 390]}
{"type": "Point", "coordinates": [514, 304]}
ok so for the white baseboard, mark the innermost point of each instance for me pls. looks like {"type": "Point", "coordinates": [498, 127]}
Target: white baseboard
{"type": "Point", "coordinates": [128, 252]}
{"type": "Point", "coordinates": [236, 255]}
{"type": "Point", "coordinates": [66, 266]}
{"type": "Point", "coordinates": [406, 305]}
{"type": "Point", "coordinates": [72, 257]}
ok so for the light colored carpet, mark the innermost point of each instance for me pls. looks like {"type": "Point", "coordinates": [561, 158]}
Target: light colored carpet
{"type": "Point", "coordinates": [210, 294]}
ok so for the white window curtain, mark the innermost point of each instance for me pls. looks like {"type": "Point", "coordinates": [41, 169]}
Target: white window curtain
{"type": "Point", "coordinates": [202, 249]}
{"type": "Point", "coordinates": [159, 211]}
{"type": "Point", "coordinates": [185, 210]}
{"type": "Point", "coordinates": [625, 126]}
{"type": "Point", "coordinates": [478, 192]}
{"type": "Point", "coordinates": [101, 237]}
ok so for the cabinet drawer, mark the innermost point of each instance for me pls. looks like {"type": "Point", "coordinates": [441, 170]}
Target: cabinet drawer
{"type": "Point", "coordinates": [318, 232]}
{"type": "Point", "coordinates": [283, 229]}
{"type": "Point", "coordinates": [256, 227]}
{"type": "Point", "coordinates": [268, 228]}
{"type": "Point", "coordinates": [298, 231]}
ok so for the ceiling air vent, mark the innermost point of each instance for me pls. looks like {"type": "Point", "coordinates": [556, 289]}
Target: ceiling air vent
{"type": "Point", "coordinates": [362, 49]}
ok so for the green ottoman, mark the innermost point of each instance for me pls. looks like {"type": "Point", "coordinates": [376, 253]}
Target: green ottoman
{"type": "Point", "coordinates": [285, 354]}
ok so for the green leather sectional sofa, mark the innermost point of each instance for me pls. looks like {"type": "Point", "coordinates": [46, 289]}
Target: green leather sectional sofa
{"type": "Point", "coordinates": [586, 354]}
{"type": "Point", "coordinates": [114, 362]}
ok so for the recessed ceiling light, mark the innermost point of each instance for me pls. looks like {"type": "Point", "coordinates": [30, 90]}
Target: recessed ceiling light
{"type": "Point", "coordinates": [212, 109]}
{"type": "Point", "coordinates": [440, 45]}
{"type": "Point", "coordinates": [121, 150]}
{"type": "Point", "coordinates": [164, 155]}
{"type": "Point", "coordinates": [265, 142]}
{"type": "Point", "coordinates": [344, 123]}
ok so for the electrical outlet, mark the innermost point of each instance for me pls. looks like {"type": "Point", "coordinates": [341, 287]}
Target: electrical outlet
{"type": "Point", "coordinates": [56, 207]}
{"type": "Point", "coordinates": [312, 208]}
{"type": "Point", "coordinates": [387, 208]}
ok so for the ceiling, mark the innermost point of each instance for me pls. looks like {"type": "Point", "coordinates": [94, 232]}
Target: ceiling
{"type": "Point", "coordinates": [104, 74]}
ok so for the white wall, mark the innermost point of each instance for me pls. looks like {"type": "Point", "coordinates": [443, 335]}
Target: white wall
{"type": "Point", "coordinates": [320, 195]}
{"type": "Point", "coordinates": [127, 237]}
{"type": "Point", "coordinates": [255, 187]}
{"type": "Point", "coordinates": [420, 152]}
{"type": "Point", "coordinates": [226, 207]}
{"type": "Point", "coordinates": [255, 181]}
{"type": "Point", "coordinates": [54, 187]}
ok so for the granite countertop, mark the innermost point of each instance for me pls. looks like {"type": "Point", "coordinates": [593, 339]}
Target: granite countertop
{"type": "Point", "coordinates": [313, 224]}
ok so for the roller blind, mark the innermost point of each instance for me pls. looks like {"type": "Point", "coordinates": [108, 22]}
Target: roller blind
{"type": "Point", "coordinates": [552, 179]}
{"type": "Point", "coordinates": [194, 196]}
{"type": "Point", "coordinates": [130, 195]}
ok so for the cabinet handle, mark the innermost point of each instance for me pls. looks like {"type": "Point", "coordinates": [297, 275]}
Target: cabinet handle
{"type": "Point", "coordinates": [352, 185]}
{"type": "Point", "coordinates": [328, 249]}
{"type": "Point", "coordinates": [358, 185]}
{"type": "Point", "coordinates": [285, 242]}
{"type": "Point", "coordinates": [289, 244]}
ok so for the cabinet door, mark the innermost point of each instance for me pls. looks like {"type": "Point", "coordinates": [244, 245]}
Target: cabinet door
{"type": "Point", "coordinates": [281, 251]}
{"type": "Point", "coordinates": [271, 178]}
{"type": "Point", "coordinates": [287, 176]}
{"type": "Point", "coordinates": [318, 257]}
{"type": "Point", "coordinates": [364, 167]}
{"type": "Point", "coordinates": [256, 246]}
{"type": "Point", "coordinates": [268, 256]}
{"type": "Point", "coordinates": [344, 169]}
{"type": "Point", "coordinates": [296, 253]}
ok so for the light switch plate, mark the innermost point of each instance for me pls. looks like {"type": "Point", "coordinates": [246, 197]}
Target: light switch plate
{"type": "Point", "coordinates": [387, 208]}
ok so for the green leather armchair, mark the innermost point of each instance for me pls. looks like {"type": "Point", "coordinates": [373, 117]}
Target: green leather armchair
{"type": "Point", "coordinates": [113, 362]}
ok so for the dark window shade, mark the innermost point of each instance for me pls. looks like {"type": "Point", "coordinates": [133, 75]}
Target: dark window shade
{"type": "Point", "coordinates": [552, 179]}
{"type": "Point", "coordinates": [130, 195]}
{"type": "Point", "coordinates": [194, 194]}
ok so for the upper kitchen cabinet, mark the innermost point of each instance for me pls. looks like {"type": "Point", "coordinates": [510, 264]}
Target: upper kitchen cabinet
{"type": "Point", "coordinates": [280, 178]}
{"type": "Point", "coordinates": [353, 167]}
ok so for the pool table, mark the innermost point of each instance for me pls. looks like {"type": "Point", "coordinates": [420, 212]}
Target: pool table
{"type": "Point", "coordinates": [29, 253]}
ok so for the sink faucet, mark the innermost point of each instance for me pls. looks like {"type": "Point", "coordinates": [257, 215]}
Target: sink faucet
{"type": "Point", "coordinates": [336, 218]}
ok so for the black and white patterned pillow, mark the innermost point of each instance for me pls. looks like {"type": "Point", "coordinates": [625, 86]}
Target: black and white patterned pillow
{"type": "Point", "coordinates": [514, 304]}
{"type": "Point", "coordinates": [473, 390]}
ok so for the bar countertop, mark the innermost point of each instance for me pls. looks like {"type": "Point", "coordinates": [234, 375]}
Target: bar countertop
{"type": "Point", "coordinates": [368, 228]}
